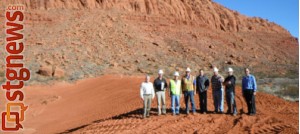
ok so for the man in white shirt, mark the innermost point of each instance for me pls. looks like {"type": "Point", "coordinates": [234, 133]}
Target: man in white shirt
{"type": "Point", "coordinates": [147, 94]}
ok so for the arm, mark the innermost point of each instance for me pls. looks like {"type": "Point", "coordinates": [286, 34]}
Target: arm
{"type": "Point", "coordinates": [243, 85]}
{"type": "Point", "coordinates": [206, 84]}
{"type": "Point", "coordinates": [194, 84]}
{"type": "Point", "coordinates": [254, 84]}
{"type": "Point", "coordinates": [141, 92]}
{"type": "Point", "coordinates": [166, 84]}
{"type": "Point", "coordinates": [169, 88]}
{"type": "Point", "coordinates": [153, 93]}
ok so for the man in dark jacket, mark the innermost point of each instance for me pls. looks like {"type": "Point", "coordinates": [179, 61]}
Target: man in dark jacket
{"type": "Point", "coordinates": [160, 85]}
{"type": "Point", "coordinates": [202, 84]}
{"type": "Point", "coordinates": [230, 92]}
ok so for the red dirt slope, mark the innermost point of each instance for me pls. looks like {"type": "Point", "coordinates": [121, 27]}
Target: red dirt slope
{"type": "Point", "coordinates": [111, 104]}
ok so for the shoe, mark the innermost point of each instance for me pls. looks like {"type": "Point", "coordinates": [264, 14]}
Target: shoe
{"type": "Point", "coordinates": [204, 113]}
{"type": "Point", "coordinates": [163, 113]}
{"type": "Point", "coordinates": [174, 114]}
{"type": "Point", "coordinates": [177, 113]}
{"type": "Point", "coordinates": [194, 113]}
{"type": "Point", "coordinates": [234, 114]}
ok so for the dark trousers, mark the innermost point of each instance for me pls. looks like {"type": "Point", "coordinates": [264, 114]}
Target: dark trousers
{"type": "Point", "coordinates": [203, 101]}
{"type": "Point", "coordinates": [189, 96]}
{"type": "Point", "coordinates": [230, 99]}
{"type": "Point", "coordinates": [250, 100]}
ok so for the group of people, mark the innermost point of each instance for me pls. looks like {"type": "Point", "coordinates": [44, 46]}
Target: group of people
{"type": "Point", "coordinates": [189, 85]}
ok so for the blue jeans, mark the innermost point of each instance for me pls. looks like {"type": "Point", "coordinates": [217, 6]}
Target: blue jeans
{"type": "Point", "coordinates": [175, 103]}
{"type": "Point", "coordinates": [231, 102]}
{"type": "Point", "coordinates": [218, 100]}
{"type": "Point", "coordinates": [189, 96]}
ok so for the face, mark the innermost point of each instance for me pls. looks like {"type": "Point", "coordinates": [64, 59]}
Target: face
{"type": "Point", "coordinates": [201, 72]}
{"type": "Point", "coordinates": [147, 78]}
{"type": "Point", "coordinates": [247, 71]}
{"type": "Point", "coordinates": [176, 77]}
{"type": "Point", "coordinates": [215, 73]}
{"type": "Point", "coordinates": [230, 73]}
{"type": "Point", "coordinates": [160, 75]}
{"type": "Point", "coordinates": [187, 73]}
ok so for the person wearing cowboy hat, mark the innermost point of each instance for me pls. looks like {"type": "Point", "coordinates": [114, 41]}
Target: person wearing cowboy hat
{"type": "Point", "coordinates": [160, 86]}
{"type": "Point", "coordinates": [188, 88]}
{"type": "Point", "coordinates": [230, 92]}
{"type": "Point", "coordinates": [217, 90]}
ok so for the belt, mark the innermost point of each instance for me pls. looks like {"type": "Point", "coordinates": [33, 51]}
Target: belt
{"type": "Point", "coordinates": [147, 94]}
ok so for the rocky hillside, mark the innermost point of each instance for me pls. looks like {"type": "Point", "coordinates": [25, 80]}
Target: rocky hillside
{"type": "Point", "coordinates": [75, 39]}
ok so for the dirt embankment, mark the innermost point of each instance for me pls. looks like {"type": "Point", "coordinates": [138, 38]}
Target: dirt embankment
{"type": "Point", "coordinates": [111, 104]}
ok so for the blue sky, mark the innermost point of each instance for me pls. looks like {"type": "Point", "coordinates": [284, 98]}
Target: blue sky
{"type": "Point", "coordinates": [282, 12]}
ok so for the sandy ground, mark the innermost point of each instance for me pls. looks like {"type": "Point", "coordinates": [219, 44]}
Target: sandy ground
{"type": "Point", "coordinates": [111, 104]}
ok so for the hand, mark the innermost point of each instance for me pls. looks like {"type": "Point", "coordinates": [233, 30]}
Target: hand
{"type": "Point", "coordinates": [229, 82]}
{"type": "Point", "coordinates": [254, 93]}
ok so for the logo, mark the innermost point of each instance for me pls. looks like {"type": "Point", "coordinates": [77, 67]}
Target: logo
{"type": "Point", "coordinates": [16, 74]}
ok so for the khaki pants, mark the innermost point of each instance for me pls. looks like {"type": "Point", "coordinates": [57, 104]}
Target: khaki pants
{"type": "Point", "coordinates": [147, 105]}
{"type": "Point", "coordinates": [161, 101]}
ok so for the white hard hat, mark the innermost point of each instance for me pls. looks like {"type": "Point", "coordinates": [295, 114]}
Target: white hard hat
{"type": "Point", "coordinates": [230, 69]}
{"type": "Point", "coordinates": [160, 71]}
{"type": "Point", "coordinates": [176, 74]}
{"type": "Point", "coordinates": [188, 69]}
{"type": "Point", "coordinates": [216, 69]}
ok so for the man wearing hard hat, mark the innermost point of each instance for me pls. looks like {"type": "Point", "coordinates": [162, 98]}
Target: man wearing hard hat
{"type": "Point", "coordinates": [188, 88]}
{"type": "Point", "coordinates": [217, 90]}
{"type": "Point", "coordinates": [175, 93]}
{"type": "Point", "coordinates": [230, 92]}
{"type": "Point", "coordinates": [160, 85]}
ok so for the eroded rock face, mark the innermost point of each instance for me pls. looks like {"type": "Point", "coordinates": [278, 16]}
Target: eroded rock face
{"type": "Point", "coordinates": [193, 12]}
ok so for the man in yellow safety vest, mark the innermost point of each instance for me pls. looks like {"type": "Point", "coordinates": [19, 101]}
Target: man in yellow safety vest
{"type": "Point", "coordinates": [175, 93]}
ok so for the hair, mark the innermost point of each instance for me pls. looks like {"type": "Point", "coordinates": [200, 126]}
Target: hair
{"type": "Point", "coordinates": [201, 70]}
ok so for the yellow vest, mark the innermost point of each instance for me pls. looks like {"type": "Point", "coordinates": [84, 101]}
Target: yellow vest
{"type": "Point", "coordinates": [175, 87]}
{"type": "Point", "coordinates": [188, 85]}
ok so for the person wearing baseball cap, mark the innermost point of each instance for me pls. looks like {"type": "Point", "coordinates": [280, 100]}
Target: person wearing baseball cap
{"type": "Point", "coordinates": [175, 93]}
{"type": "Point", "coordinates": [230, 92]}
{"type": "Point", "coordinates": [160, 86]}
{"type": "Point", "coordinates": [217, 90]}
{"type": "Point", "coordinates": [188, 84]}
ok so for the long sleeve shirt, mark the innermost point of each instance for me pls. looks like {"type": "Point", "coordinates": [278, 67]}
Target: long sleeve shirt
{"type": "Point", "coordinates": [202, 83]}
{"type": "Point", "coordinates": [147, 89]}
{"type": "Point", "coordinates": [230, 87]}
{"type": "Point", "coordinates": [216, 82]}
{"type": "Point", "coordinates": [249, 83]}
{"type": "Point", "coordinates": [160, 84]}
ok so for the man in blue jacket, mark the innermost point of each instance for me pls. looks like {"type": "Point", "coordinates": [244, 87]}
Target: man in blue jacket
{"type": "Point", "coordinates": [249, 88]}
